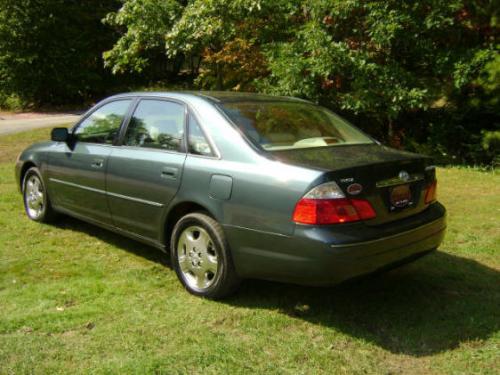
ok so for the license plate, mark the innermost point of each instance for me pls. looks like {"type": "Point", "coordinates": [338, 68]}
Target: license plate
{"type": "Point", "coordinates": [400, 197]}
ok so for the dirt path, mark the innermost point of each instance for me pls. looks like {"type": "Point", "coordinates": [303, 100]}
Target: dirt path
{"type": "Point", "coordinates": [19, 122]}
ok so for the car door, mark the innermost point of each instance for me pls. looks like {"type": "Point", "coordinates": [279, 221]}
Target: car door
{"type": "Point", "coordinates": [145, 172]}
{"type": "Point", "coordinates": [76, 172]}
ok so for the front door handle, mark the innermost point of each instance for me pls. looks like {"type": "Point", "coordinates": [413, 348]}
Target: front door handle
{"type": "Point", "coordinates": [97, 163]}
{"type": "Point", "coordinates": [169, 172]}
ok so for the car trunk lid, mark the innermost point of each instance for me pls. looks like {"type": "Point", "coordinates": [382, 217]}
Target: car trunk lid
{"type": "Point", "coordinates": [393, 181]}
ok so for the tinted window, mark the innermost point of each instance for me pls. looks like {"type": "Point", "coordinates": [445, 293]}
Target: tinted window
{"type": "Point", "coordinates": [156, 124]}
{"type": "Point", "coordinates": [292, 125]}
{"type": "Point", "coordinates": [197, 141]}
{"type": "Point", "coordinates": [103, 125]}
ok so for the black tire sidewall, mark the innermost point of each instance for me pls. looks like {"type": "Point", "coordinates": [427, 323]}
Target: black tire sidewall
{"type": "Point", "coordinates": [206, 222]}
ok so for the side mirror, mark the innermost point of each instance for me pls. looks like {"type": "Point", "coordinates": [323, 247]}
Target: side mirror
{"type": "Point", "coordinates": [59, 135]}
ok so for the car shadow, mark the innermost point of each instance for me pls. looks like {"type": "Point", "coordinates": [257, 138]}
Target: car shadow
{"type": "Point", "coordinates": [114, 239]}
{"type": "Point", "coordinates": [432, 305]}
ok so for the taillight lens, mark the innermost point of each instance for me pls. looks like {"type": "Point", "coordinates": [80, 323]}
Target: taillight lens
{"type": "Point", "coordinates": [431, 193]}
{"type": "Point", "coordinates": [363, 208]}
{"type": "Point", "coordinates": [327, 204]}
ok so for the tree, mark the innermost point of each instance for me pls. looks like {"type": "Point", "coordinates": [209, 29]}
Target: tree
{"type": "Point", "coordinates": [50, 50]}
{"type": "Point", "coordinates": [411, 72]}
{"type": "Point", "coordinates": [380, 59]}
{"type": "Point", "coordinates": [421, 74]}
{"type": "Point", "coordinates": [144, 24]}
{"type": "Point", "coordinates": [226, 35]}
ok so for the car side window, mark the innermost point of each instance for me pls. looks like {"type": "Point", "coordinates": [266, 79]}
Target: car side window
{"type": "Point", "coordinates": [156, 124]}
{"type": "Point", "coordinates": [103, 125]}
{"type": "Point", "coordinates": [197, 142]}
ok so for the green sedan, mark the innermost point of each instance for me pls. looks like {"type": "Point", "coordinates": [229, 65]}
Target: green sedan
{"type": "Point", "coordinates": [236, 185]}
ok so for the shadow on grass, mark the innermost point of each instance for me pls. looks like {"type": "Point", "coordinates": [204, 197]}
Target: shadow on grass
{"type": "Point", "coordinates": [119, 241]}
{"type": "Point", "coordinates": [430, 306]}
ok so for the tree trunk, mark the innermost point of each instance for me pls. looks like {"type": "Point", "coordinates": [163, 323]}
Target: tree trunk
{"type": "Point", "coordinates": [198, 65]}
{"type": "Point", "coordinates": [220, 78]}
{"type": "Point", "coordinates": [390, 130]}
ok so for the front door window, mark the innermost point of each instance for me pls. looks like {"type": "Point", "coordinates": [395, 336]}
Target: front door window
{"type": "Point", "coordinates": [103, 125]}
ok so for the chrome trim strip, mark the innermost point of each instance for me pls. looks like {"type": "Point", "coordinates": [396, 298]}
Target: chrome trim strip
{"type": "Point", "coordinates": [392, 236]}
{"type": "Point", "coordinates": [256, 230]}
{"type": "Point", "coordinates": [77, 186]}
{"type": "Point", "coordinates": [138, 200]}
{"type": "Point", "coordinates": [126, 197]}
{"type": "Point", "coordinates": [150, 149]}
{"type": "Point", "coordinates": [398, 181]}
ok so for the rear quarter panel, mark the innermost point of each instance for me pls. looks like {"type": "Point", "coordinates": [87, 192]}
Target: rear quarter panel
{"type": "Point", "coordinates": [263, 193]}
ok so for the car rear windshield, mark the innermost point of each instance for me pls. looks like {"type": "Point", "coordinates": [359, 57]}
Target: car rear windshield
{"type": "Point", "coordinates": [292, 125]}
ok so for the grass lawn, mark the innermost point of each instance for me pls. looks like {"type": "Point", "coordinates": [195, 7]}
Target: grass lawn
{"type": "Point", "coordinates": [75, 298]}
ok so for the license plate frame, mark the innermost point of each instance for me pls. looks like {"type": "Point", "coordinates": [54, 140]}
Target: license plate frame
{"type": "Point", "coordinates": [400, 197]}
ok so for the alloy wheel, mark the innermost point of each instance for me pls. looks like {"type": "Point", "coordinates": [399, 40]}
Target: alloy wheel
{"type": "Point", "coordinates": [34, 197]}
{"type": "Point", "coordinates": [197, 257]}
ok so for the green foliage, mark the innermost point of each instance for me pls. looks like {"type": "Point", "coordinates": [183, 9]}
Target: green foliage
{"type": "Point", "coordinates": [50, 49]}
{"type": "Point", "coordinates": [421, 74]}
{"type": "Point", "coordinates": [146, 23]}
{"type": "Point", "coordinates": [228, 35]}
{"type": "Point", "coordinates": [11, 102]}
{"type": "Point", "coordinates": [489, 81]}
{"type": "Point", "coordinates": [491, 145]}
{"type": "Point", "coordinates": [387, 63]}
{"type": "Point", "coordinates": [212, 23]}
{"type": "Point", "coordinates": [377, 58]}
{"type": "Point", "coordinates": [491, 140]}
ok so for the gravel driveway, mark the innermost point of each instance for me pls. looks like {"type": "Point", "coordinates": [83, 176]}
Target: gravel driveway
{"type": "Point", "coordinates": [20, 122]}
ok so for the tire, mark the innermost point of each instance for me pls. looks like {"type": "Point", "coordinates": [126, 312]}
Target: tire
{"type": "Point", "coordinates": [36, 200]}
{"type": "Point", "coordinates": [201, 257]}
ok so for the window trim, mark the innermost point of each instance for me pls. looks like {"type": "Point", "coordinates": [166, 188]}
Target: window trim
{"type": "Point", "coordinates": [97, 107]}
{"type": "Point", "coordinates": [125, 125]}
{"type": "Point", "coordinates": [135, 100]}
{"type": "Point", "coordinates": [217, 155]}
{"type": "Point", "coordinates": [213, 151]}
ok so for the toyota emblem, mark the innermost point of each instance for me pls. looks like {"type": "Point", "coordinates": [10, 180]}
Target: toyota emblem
{"type": "Point", "coordinates": [403, 175]}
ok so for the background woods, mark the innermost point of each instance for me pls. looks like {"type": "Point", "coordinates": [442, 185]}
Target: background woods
{"type": "Point", "coordinates": [423, 75]}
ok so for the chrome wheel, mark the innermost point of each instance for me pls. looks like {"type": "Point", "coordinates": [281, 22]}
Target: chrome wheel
{"type": "Point", "coordinates": [197, 257]}
{"type": "Point", "coordinates": [34, 197]}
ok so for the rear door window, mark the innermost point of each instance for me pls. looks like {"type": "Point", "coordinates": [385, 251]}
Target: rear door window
{"type": "Point", "coordinates": [197, 141]}
{"type": "Point", "coordinates": [157, 124]}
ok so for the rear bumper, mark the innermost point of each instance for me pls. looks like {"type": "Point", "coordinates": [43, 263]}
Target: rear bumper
{"type": "Point", "coordinates": [356, 259]}
{"type": "Point", "coordinates": [329, 255]}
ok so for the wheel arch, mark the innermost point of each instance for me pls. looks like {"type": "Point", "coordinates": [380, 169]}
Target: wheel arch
{"type": "Point", "coordinates": [177, 211]}
{"type": "Point", "coordinates": [25, 167]}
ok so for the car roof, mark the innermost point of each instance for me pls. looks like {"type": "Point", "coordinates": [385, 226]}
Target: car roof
{"type": "Point", "coordinates": [214, 96]}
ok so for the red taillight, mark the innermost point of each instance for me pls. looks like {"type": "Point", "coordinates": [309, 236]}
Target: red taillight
{"type": "Point", "coordinates": [364, 209]}
{"type": "Point", "coordinates": [431, 193]}
{"type": "Point", "coordinates": [332, 211]}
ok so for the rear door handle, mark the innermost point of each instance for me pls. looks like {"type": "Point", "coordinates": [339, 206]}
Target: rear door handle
{"type": "Point", "coordinates": [169, 172]}
{"type": "Point", "coordinates": [97, 163]}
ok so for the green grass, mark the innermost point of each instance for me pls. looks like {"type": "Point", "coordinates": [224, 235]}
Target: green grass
{"type": "Point", "coordinates": [78, 299]}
